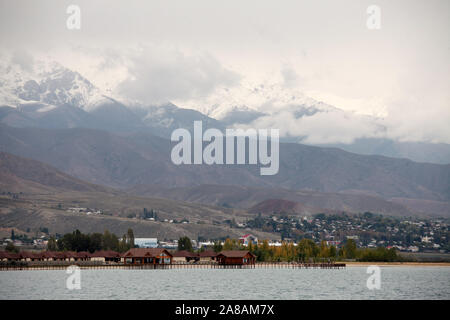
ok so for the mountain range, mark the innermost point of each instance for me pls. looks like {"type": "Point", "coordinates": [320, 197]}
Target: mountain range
{"type": "Point", "coordinates": [138, 159]}
{"type": "Point", "coordinates": [62, 139]}
{"type": "Point", "coordinates": [49, 95]}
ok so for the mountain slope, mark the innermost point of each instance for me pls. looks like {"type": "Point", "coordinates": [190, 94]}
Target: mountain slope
{"type": "Point", "coordinates": [45, 194]}
{"type": "Point", "coordinates": [417, 151]}
{"type": "Point", "coordinates": [278, 206]}
{"type": "Point", "coordinates": [103, 158]}
{"type": "Point", "coordinates": [248, 197]}
{"type": "Point", "coordinates": [19, 174]}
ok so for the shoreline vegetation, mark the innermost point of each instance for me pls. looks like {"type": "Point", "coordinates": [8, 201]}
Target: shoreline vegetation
{"type": "Point", "coordinates": [305, 251]}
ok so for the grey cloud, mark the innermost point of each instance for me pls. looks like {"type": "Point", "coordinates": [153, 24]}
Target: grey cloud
{"type": "Point", "coordinates": [403, 67]}
{"type": "Point", "coordinates": [423, 123]}
{"type": "Point", "coordinates": [23, 59]}
{"type": "Point", "coordinates": [159, 75]}
{"type": "Point", "coordinates": [324, 127]}
{"type": "Point", "coordinates": [290, 76]}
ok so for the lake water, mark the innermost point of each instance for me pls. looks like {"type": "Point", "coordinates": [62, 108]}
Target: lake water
{"type": "Point", "coordinates": [349, 283]}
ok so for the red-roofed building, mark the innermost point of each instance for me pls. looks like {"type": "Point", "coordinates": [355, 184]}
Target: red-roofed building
{"type": "Point", "coordinates": [184, 256]}
{"type": "Point", "coordinates": [236, 257]}
{"type": "Point", "coordinates": [29, 256]}
{"type": "Point", "coordinates": [59, 256]}
{"type": "Point", "coordinates": [70, 255]}
{"type": "Point", "coordinates": [83, 256]}
{"type": "Point", "coordinates": [105, 256]}
{"type": "Point", "coordinates": [47, 256]}
{"type": "Point", "coordinates": [207, 256]}
{"type": "Point", "coordinates": [9, 256]}
{"type": "Point", "coordinates": [147, 256]}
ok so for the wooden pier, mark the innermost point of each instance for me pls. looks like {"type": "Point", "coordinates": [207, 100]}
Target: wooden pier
{"type": "Point", "coordinates": [90, 265]}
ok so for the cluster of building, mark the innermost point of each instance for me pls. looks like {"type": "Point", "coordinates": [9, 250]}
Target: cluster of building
{"type": "Point", "coordinates": [26, 256]}
{"type": "Point", "coordinates": [368, 230]}
{"type": "Point", "coordinates": [135, 256]}
{"type": "Point", "coordinates": [86, 211]}
{"type": "Point", "coordinates": [173, 244]}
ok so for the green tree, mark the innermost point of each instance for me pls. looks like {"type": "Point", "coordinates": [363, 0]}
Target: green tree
{"type": "Point", "coordinates": [123, 244]}
{"type": "Point", "coordinates": [95, 242]}
{"type": "Point", "coordinates": [130, 238]}
{"type": "Point", "coordinates": [10, 247]}
{"type": "Point", "coordinates": [51, 244]}
{"type": "Point", "coordinates": [332, 252]}
{"type": "Point", "coordinates": [263, 252]}
{"type": "Point", "coordinates": [350, 249]}
{"type": "Point", "coordinates": [379, 254]}
{"type": "Point", "coordinates": [217, 247]}
{"type": "Point", "coordinates": [110, 241]}
{"type": "Point", "coordinates": [324, 250]}
{"type": "Point", "coordinates": [230, 244]}
{"type": "Point", "coordinates": [307, 249]}
{"type": "Point", "coordinates": [184, 243]}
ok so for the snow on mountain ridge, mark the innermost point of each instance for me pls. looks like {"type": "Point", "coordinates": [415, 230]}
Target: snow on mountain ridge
{"type": "Point", "coordinates": [266, 97]}
{"type": "Point", "coordinates": [49, 82]}
{"type": "Point", "coordinates": [46, 82]}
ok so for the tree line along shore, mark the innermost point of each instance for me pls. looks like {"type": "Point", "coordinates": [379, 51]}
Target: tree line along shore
{"type": "Point", "coordinates": [305, 250]}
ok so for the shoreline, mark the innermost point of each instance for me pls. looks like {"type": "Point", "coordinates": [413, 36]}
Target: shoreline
{"type": "Point", "coordinates": [276, 265]}
{"type": "Point", "coordinates": [398, 264]}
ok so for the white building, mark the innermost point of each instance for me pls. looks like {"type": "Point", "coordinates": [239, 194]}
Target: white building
{"type": "Point", "coordinates": [246, 239]}
{"type": "Point", "coordinates": [146, 242]}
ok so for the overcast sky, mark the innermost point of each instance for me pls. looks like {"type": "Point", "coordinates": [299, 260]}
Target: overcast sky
{"type": "Point", "coordinates": [175, 50]}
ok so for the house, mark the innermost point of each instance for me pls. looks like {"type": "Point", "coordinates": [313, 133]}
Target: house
{"type": "Point", "coordinates": [29, 256]}
{"type": "Point", "coordinates": [207, 256]}
{"type": "Point", "coordinates": [58, 256]}
{"type": "Point", "coordinates": [246, 239]}
{"type": "Point", "coordinates": [184, 256]}
{"type": "Point", "coordinates": [70, 255]}
{"type": "Point", "coordinates": [4, 256]}
{"type": "Point", "coordinates": [236, 257]}
{"type": "Point", "coordinates": [82, 256]}
{"type": "Point", "coordinates": [64, 256]}
{"type": "Point", "coordinates": [426, 239]}
{"type": "Point", "coordinates": [9, 256]}
{"type": "Point", "coordinates": [105, 256]}
{"type": "Point", "coordinates": [47, 256]}
{"type": "Point", "coordinates": [147, 256]}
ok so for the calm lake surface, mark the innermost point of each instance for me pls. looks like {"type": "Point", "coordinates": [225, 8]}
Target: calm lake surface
{"type": "Point", "coordinates": [349, 283]}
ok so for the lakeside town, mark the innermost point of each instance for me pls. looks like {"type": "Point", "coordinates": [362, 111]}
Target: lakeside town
{"type": "Point", "coordinates": [368, 230]}
{"type": "Point", "coordinates": [107, 248]}
{"type": "Point", "coordinates": [97, 250]}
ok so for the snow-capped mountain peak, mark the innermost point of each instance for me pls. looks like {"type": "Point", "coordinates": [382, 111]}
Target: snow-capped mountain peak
{"type": "Point", "coordinates": [250, 99]}
{"type": "Point", "coordinates": [46, 82]}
